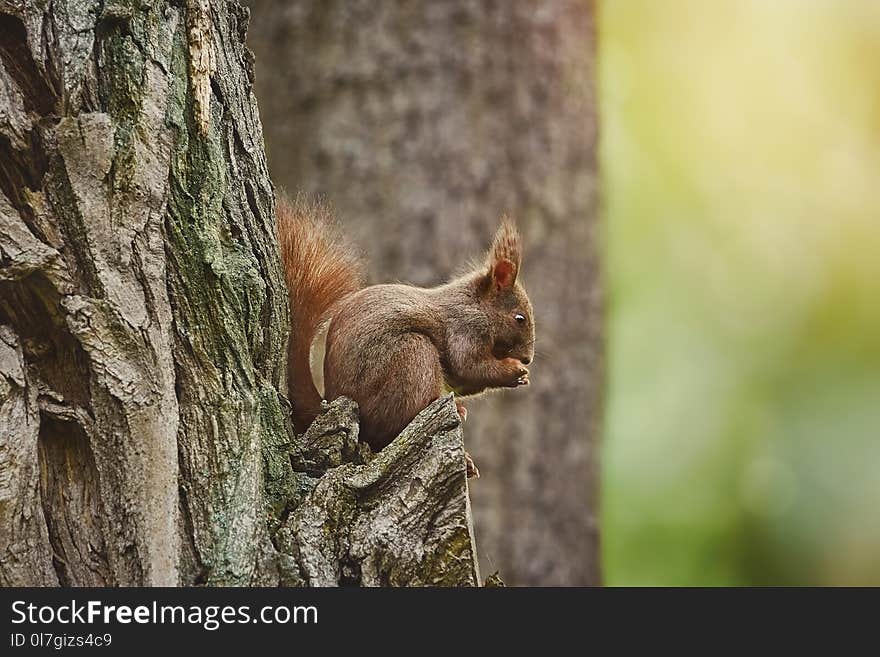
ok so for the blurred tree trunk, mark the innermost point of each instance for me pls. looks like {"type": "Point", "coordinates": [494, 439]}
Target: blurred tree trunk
{"type": "Point", "coordinates": [423, 122]}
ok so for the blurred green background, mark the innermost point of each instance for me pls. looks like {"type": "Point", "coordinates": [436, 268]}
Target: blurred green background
{"type": "Point", "coordinates": [741, 162]}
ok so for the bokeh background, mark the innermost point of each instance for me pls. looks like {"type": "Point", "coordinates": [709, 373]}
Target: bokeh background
{"type": "Point", "coordinates": [740, 159]}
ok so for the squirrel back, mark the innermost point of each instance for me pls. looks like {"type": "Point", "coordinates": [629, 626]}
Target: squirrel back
{"type": "Point", "coordinates": [320, 269]}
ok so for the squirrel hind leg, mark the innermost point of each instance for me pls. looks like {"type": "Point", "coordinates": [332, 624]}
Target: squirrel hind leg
{"type": "Point", "coordinates": [473, 472]}
{"type": "Point", "coordinates": [396, 388]}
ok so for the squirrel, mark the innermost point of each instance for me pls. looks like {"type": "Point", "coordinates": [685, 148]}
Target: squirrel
{"type": "Point", "coordinates": [395, 348]}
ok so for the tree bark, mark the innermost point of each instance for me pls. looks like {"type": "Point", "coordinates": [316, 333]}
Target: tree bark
{"type": "Point", "coordinates": [423, 122]}
{"type": "Point", "coordinates": [143, 326]}
{"type": "Point", "coordinates": [399, 518]}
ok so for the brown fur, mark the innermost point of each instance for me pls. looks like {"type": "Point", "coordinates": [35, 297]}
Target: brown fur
{"type": "Point", "coordinates": [395, 348]}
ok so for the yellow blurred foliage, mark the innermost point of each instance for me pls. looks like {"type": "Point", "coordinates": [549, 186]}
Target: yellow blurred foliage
{"type": "Point", "coordinates": [740, 153]}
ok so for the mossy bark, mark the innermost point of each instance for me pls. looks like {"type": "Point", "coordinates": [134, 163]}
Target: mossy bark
{"type": "Point", "coordinates": [144, 439]}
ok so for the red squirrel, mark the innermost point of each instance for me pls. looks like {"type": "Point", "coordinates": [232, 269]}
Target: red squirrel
{"type": "Point", "coordinates": [395, 348]}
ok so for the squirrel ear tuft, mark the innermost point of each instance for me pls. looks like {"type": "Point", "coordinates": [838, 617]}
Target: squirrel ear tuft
{"type": "Point", "coordinates": [503, 274]}
{"type": "Point", "coordinates": [506, 245]}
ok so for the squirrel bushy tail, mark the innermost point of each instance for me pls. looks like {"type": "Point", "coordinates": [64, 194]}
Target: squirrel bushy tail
{"type": "Point", "coordinates": [320, 269]}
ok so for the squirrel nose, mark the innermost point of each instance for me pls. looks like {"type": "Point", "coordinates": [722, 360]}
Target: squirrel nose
{"type": "Point", "coordinates": [525, 360]}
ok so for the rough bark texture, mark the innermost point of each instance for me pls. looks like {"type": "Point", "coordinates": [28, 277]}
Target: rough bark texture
{"type": "Point", "coordinates": [364, 523]}
{"type": "Point", "coordinates": [423, 122]}
{"type": "Point", "coordinates": [143, 322]}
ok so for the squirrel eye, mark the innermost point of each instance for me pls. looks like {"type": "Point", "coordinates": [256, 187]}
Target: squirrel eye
{"type": "Point", "coordinates": [519, 317]}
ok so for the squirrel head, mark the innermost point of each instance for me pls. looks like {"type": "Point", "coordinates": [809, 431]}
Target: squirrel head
{"type": "Point", "coordinates": [506, 301]}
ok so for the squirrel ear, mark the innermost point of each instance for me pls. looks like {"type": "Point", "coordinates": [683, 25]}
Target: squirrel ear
{"type": "Point", "coordinates": [503, 274]}
{"type": "Point", "coordinates": [504, 255]}
{"type": "Point", "coordinates": [506, 244]}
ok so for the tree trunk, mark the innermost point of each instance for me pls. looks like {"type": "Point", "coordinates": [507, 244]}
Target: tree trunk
{"type": "Point", "coordinates": [423, 122]}
{"type": "Point", "coordinates": [143, 326]}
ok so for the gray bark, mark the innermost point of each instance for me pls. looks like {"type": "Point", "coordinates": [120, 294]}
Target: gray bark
{"type": "Point", "coordinates": [423, 122]}
{"type": "Point", "coordinates": [361, 522]}
{"type": "Point", "coordinates": [143, 322]}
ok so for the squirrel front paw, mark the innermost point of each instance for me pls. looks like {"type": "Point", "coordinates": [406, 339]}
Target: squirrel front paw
{"type": "Point", "coordinates": [516, 374]}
